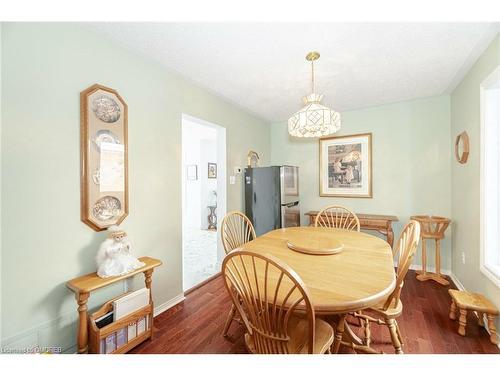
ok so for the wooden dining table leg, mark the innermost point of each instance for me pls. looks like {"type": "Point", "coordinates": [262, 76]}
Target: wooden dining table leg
{"type": "Point", "coordinates": [339, 333]}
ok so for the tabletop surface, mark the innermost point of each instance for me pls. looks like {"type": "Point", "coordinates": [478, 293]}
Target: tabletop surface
{"type": "Point", "coordinates": [358, 277]}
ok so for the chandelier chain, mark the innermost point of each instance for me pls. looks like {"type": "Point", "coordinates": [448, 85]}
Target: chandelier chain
{"type": "Point", "coordinates": [312, 76]}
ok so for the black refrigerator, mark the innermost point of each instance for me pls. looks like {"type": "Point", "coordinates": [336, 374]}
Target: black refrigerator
{"type": "Point", "coordinates": [272, 197]}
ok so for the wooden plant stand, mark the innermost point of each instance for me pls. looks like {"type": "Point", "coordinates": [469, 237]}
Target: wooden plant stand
{"type": "Point", "coordinates": [473, 302]}
{"type": "Point", "coordinates": [432, 228]}
{"type": "Point", "coordinates": [82, 287]}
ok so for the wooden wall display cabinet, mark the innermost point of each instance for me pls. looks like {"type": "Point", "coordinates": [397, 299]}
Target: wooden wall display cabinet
{"type": "Point", "coordinates": [104, 165]}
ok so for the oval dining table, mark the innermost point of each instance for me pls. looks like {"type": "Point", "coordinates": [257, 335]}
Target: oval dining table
{"type": "Point", "coordinates": [358, 277]}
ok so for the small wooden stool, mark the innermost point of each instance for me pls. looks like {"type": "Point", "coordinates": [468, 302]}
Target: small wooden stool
{"type": "Point", "coordinates": [474, 302]}
{"type": "Point", "coordinates": [432, 228]}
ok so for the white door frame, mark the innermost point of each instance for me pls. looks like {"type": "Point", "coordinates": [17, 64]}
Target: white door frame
{"type": "Point", "coordinates": [221, 179]}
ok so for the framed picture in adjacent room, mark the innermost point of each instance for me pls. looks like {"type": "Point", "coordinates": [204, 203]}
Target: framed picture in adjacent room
{"type": "Point", "coordinates": [212, 170]}
{"type": "Point", "coordinates": [345, 166]}
{"type": "Point", "coordinates": [192, 172]}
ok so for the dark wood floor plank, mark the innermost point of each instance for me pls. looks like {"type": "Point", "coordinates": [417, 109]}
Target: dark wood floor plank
{"type": "Point", "coordinates": [195, 325]}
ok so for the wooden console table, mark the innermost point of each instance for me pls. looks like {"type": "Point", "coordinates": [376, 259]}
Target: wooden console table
{"type": "Point", "coordinates": [379, 223]}
{"type": "Point", "coordinates": [82, 287]}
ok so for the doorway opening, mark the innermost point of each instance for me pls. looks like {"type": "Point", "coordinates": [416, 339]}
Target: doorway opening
{"type": "Point", "coordinates": [203, 199]}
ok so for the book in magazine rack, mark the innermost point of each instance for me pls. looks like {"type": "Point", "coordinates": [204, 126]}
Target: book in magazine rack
{"type": "Point", "coordinates": [89, 335]}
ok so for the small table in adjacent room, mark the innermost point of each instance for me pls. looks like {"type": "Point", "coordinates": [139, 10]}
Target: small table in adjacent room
{"type": "Point", "coordinates": [379, 223]}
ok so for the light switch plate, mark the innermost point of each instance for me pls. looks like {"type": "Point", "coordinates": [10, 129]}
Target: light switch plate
{"type": "Point", "coordinates": [232, 180]}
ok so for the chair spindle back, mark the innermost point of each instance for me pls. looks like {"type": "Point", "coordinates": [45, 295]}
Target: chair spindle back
{"type": "Point", "coordinates": [236, 230]}
{"type": "Point", "coordinates": [337, 217]}
{"type": "Point", "coordinates": [267, 293]}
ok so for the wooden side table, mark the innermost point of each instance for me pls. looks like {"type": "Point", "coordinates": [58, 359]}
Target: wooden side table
{"type": "Point", "coordinates": [82, 287]}
{"type": "Point", "coordinates": [379, 223]}
{"type": "Point", "coordinates": [432, 228]}
{"type": "Point", "coordinates": [474, 302]}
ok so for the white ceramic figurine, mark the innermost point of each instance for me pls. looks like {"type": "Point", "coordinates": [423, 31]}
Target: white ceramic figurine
{"type": "Point", "coordinates": [115, 257]}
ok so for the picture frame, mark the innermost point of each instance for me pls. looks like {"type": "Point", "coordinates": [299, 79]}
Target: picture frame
{"type": "Point", "coordinates": [192, 172]}
{"type": "Point", "coordinates": [212, 170]}
{"type": "Point", "coordinates": [345, 166]}
{"type": "Point", "coordinates": [104, 157]}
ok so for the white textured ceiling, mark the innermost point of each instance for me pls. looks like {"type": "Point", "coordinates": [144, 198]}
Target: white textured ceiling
{"type": "Point", "coordinates": [262, 67]}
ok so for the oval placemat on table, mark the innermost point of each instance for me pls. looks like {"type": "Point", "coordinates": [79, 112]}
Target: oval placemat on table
{"type": "Point", "coordinates": [314, 243]}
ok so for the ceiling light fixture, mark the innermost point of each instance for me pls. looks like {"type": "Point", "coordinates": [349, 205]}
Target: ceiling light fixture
{"type": "Point", "coordinates": [314, 120]}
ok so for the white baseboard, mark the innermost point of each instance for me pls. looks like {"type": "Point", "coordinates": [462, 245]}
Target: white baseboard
{"type": "Point", "coordinates": [169, 304]}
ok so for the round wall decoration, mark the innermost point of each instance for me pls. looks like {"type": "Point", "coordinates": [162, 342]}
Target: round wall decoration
{"type": "Point", "coordinates": [462, 147]}
{"type": "Point", "coordinates": [104, 135]}
{"type": "Point", "coordinates": [106, 108]}
{"type": "Point", "coordinates": [107, 208]}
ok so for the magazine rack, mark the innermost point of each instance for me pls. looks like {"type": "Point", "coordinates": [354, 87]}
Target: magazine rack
{"type": "Point", "coordinates": [84, 285]}
{"type": "Point", "coordinates": [97, 334]}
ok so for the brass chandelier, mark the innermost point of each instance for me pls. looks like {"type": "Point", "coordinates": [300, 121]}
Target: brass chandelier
{"type": "Point", "coordinates": [314, 120]}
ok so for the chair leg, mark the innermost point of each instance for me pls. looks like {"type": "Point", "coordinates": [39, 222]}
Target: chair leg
{"type": "Point", "coordinates": [368, 333]}
{"type": "Point", "coordinates": [229, 319]}
{"type": "Point", "coordinates": [394, 336]}
{"type": "Point", "coordinates": [398, 332]}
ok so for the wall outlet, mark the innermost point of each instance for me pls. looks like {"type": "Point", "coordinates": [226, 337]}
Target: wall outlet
{"type": "Point", "coordinates": [463, 257]}
{"type": "Point", "coordinates": [232, 180]}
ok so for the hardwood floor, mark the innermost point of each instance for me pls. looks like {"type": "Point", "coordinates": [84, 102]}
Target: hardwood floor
{"type": "Point", "coordinates": [195, 325]}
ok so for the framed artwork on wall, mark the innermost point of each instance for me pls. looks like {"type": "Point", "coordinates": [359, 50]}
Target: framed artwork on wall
{"type": "Point", "coordinates": [192, 172]}
{"type": "Point", "coordinates": [212, 170]}
{"type": "Point", "coordinates": [345, 166]}
{"type": "Point", "coordinates": [104, 165]}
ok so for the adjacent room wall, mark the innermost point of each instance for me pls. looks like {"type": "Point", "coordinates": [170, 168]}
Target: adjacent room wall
{"type": "Point", "coordinates": [44, 243]}
{"type": "Point", "coordinates": [465, 115]}
{"type": "Point", "coordinates": [411, 162]}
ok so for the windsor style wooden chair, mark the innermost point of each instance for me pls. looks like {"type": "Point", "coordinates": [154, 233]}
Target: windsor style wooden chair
{"type": "Point", "coordinates": [275, 306]}
{"type": "Point", "coordinates": [337, 217]}
{"type": "Point", "coordinates": [236, 230]}
{"type": "Point", "coordinates": [388, 311]}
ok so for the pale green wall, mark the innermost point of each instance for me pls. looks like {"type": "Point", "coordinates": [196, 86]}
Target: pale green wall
{"type": "Point", "coordinates": [0, 179]}
{"type": "Point", "coordinates": [465, 115]}
{"type": "Point", "coordinates": [411, 162]}
{"type": "Point", "coordinates": [45, 66]}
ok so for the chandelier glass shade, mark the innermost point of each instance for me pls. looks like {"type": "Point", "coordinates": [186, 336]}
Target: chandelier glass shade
{"type": "Point", "coordinates": [314, 119]}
